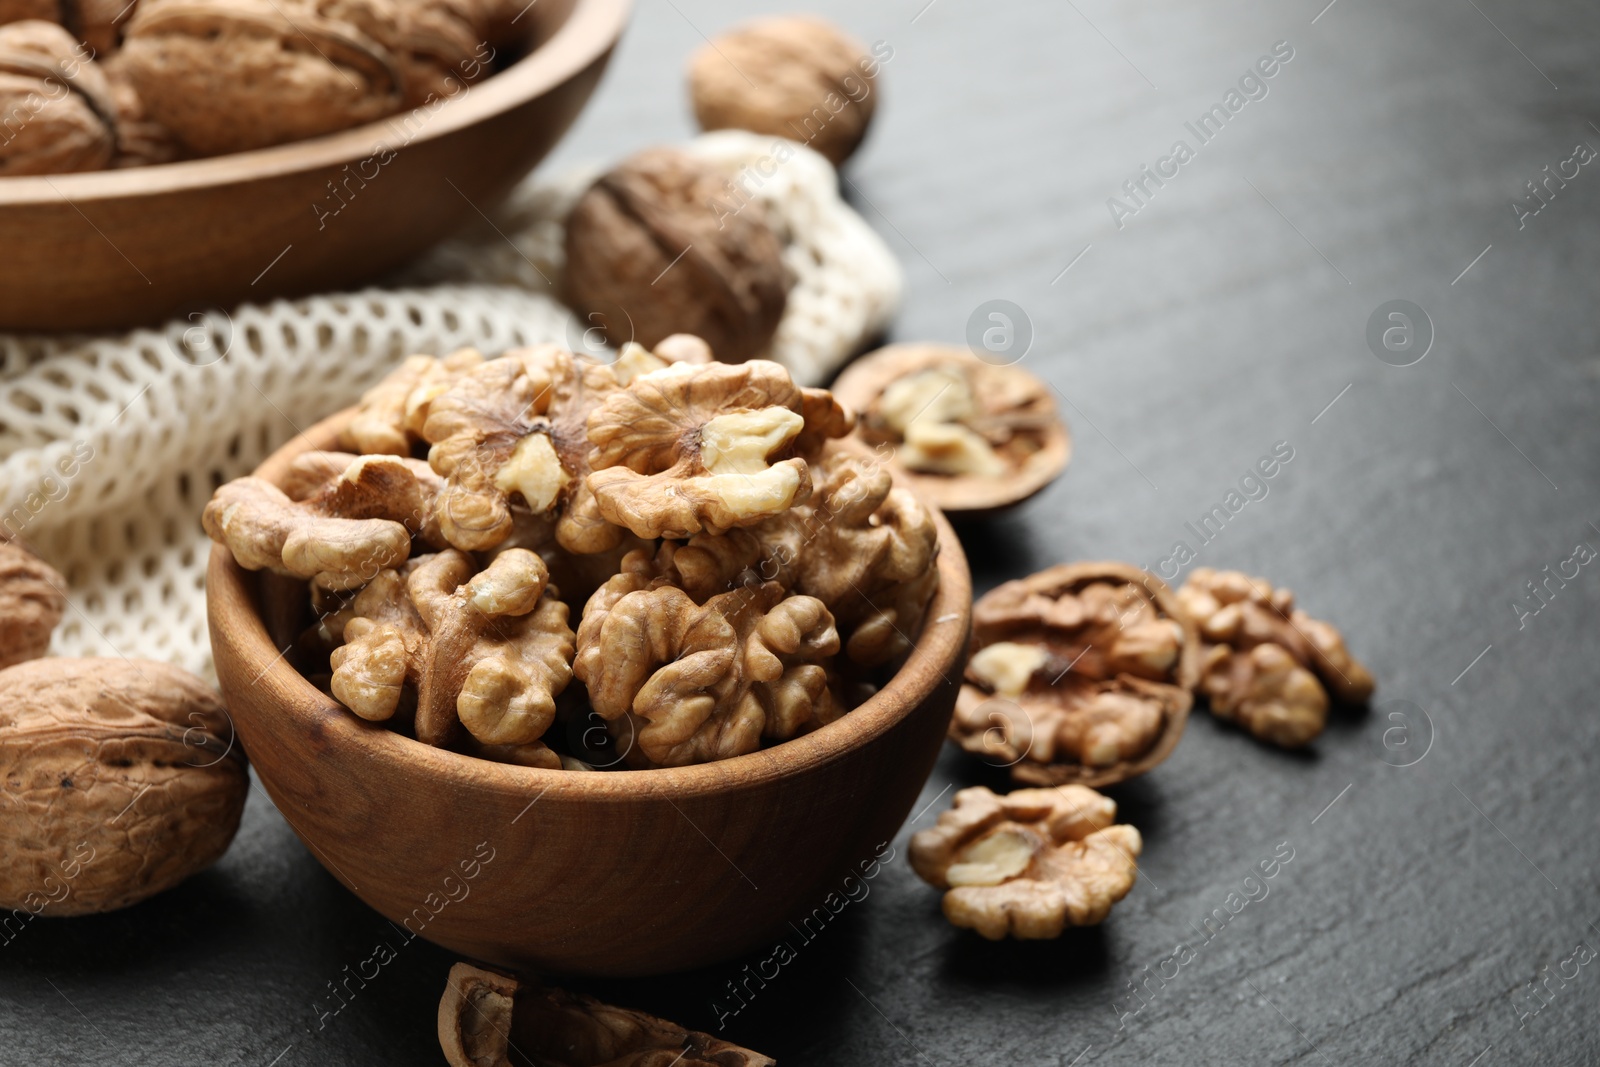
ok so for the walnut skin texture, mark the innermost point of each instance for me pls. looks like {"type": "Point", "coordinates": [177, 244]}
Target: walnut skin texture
{"type": "Point", "coordinates": [648, 257]}
{"type": "Point", "coordinates": [32, 600]}
{"type": "Point", "coordinates": [1080, 673]}
{"type": "Point", "coordinates": [339, 537]}
{"type": "Point", "coordinates": [796, 77]}
{"type": "Point", "coordinates": [124, 780]}
{"type": "Point", "coordinates": [686, 683]}
{"type": "Point", "coordinates": [487, 649]}
{"type": "Point", "coordinates": [58, 109]}
{"type": "Point", "coordinates": [692, 448]}
{"type": "Point", "coordinates": [1028, 864]}
{"type": "Point", "coordinates": [1266, 663]}
{"type": "Point", "coordinates": [484, 1015]}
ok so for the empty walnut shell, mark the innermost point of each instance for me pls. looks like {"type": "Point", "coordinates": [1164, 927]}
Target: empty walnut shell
{"type": "Point", "coordinates": [649, 255]}
{"type": "Point", "coordinates": [58, 111]}
{"type": "Point", "coordinates": [796, 77]}
{"type": "Point", "coordinates": [123, 780]}
{"type": "Point", "coordinates": [231, 75]}
{"type": "Point", "coordinates": [32, 601]}
{"type": "Point", "coordinates": [972, 437]}
{"type": "Point", "coordinates": [485, 1016]}
{"type": "Point", "coordinates": [1081, 673]}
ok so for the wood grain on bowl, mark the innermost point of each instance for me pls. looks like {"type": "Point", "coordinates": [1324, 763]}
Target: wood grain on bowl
{"type": "Point", "coordinates": [602, 873]}
{"type": "Point", "coordinates": [132, 247]}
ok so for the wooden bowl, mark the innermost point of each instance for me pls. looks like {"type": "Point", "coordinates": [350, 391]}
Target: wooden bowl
{"type": "Point", "coordinates": [963, 496]}
{"type": "Point", "coordinates": [115, 249]}
{"type": "Point", "coordinates": [607, 873]}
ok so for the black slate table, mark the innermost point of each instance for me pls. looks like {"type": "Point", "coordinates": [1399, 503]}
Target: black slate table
{"type": "Point", "coordinates": [1440, 906]}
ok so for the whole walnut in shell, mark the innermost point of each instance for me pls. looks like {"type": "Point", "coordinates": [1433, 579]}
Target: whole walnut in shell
{"type": "Point", "coordinates": [122, 780]}
{"type": "Point", "coordinates": [231, 75]}
{"type": "Point", "coordinates": [1028, 864]}
{"type": "Point", "coordinates": [1080, 673]}
{"type": "Point", "coordinates": [485, 1017]}
{"type": "Point", "coordinates": [32, 600]}
{"type": "Point", "coordinates": [57, 109]}
{"type": "Point", "coordinates": [793, 76]}
{"type": "Point", "coordinates": [648, 256]}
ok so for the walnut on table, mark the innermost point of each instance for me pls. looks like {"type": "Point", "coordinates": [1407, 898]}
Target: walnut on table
{"type": "Point", "coordinates": [122, 779]}
{"type": "Point", "coordinates": [1268, 666]}
{"type": "Point", "coordinates": [792, 76]}
{"type": "Point", "coordinates": [648, 255]}
{"type": "Point", "coordinates": [1080, 673]}
{"type": "Point", "coordinates": [485, 1017]}
{"type": "Point", "coordinates": [973, 436]}
{"type": "Point", "coordinates": [1030, 863]}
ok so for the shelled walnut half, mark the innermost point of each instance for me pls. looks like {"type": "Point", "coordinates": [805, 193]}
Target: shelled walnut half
{"type": "Point", "coordinates": [975, 437]}
{"type": "Point", "coordinates": [1028, 864]}
{"type": "Point", "coordinates": [1268, 666]}
{"type": "Point", "coordinates": [1080, 673]}
{"type": "Point", "coordinates": [489, 650]}
{"type": "Point", "coordinates": [489, 1019]}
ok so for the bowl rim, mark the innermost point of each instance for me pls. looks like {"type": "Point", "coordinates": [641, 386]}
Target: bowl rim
{"type": "Point", "coordinates": [589, 31]}
{"type": "Point", "coordinates": [937, 657]}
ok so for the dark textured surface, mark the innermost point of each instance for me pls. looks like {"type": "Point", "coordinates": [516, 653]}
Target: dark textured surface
{"type": "Point", "coordinates": [1224, 317]}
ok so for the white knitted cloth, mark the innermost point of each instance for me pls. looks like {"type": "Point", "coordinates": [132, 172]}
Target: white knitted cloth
{"type": "Point", "coordinates": [110, 446]}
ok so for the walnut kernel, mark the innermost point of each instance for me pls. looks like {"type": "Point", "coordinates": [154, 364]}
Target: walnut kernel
{"type": "Point", "coordinates": [1028, 864]}
{"type": "Point", "coordinates": [1080, 673]}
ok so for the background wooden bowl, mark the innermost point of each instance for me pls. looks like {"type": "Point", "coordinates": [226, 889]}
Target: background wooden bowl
{"type": "Point", "coordinates": [609, 873]}
{"type": "Point", "coordinates": [132, 247]}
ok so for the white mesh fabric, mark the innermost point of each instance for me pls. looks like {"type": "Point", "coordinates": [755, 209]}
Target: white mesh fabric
{"type": "Point", "coordinates": [110, 446]}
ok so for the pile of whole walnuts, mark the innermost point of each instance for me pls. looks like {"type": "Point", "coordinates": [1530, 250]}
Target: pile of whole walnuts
{"type": "Point", "coordinates": [698, 548]}
{"type": "Point", "coordinates": [89, 85]}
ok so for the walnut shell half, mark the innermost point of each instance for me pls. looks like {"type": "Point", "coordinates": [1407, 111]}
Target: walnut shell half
{"type": "Point", "coordinates": [122, 780]}
{"type": "Point", "coordinates": [485, 1016]}
{"type": "Point", "coordinates": [1080, 673]}
{"type": "Point", "coordinates": [649, 255]}
{"type": "Point", "coordinates": [972, 437]}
